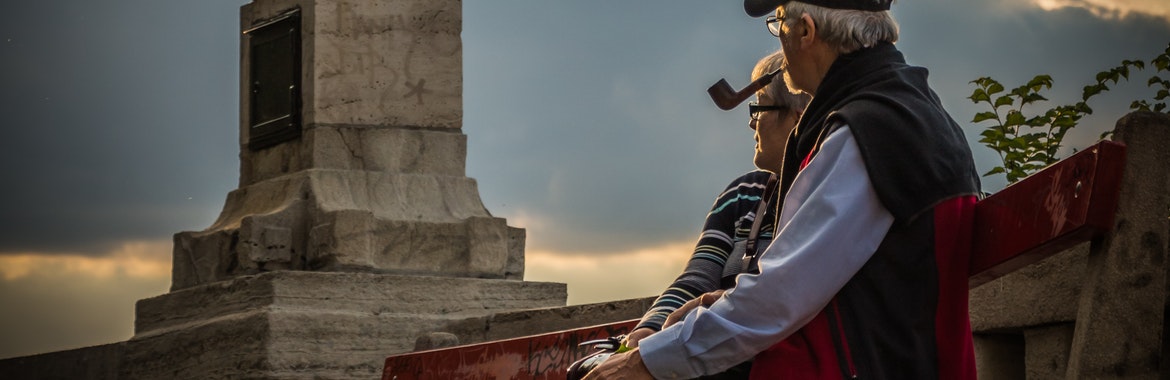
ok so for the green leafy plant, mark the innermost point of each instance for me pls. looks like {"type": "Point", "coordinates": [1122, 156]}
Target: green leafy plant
{"type": "Point", "coordinates": [1162, 86]}
{"type": "Point", "coordinates": [1026, 143]}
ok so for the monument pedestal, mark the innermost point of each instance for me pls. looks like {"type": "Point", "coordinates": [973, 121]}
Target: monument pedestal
{"type": "Point", "coordinates": [309, 325]}
{"type": "Point", "coordinates": [354, 229]}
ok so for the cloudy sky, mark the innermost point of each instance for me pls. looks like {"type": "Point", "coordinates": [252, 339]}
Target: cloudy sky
{"type": "Point", "coordinates": [587, 121]}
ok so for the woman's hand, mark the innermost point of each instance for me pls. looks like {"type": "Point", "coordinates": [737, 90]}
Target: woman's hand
{"type": "Point", "coordinates": [634, 336]}
{"type": "Point", "coordinates": [704, 300]}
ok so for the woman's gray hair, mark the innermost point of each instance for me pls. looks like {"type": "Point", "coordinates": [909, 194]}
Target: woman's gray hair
{"type": "Point", "coordinates": [777, 90]}
{"type": "Point", "coordinates": [847, 30]}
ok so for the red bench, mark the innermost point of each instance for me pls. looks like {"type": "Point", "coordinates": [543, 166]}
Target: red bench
{"type": "Point", "coordinates": [1068, 203]}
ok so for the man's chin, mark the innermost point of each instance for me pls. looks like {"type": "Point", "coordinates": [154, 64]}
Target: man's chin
{"type": "Point", "coordinates": [791, 84]}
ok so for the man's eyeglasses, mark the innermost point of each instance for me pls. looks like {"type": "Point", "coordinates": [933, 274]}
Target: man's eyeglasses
{"type": "Point", "coordinates": [755, 109]}
{"type": "Point", "coordinates": [774, 25]}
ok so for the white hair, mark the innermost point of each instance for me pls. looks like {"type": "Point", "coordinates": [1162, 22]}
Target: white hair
{"type": "Point", "coordinates": [777, 89]}
{"type": "Point", "coordinates": [845, 29]}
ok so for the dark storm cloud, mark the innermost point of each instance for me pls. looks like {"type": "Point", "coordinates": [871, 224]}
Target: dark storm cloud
{"type": "Point", "coordinates": [119, 120]}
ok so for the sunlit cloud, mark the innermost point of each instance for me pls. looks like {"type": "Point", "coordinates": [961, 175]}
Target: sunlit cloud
{"type": "Point", "coordinates": [56, 301]}
{"type": "Point", "coordinates": [135, 259]}
{"type": "Point", "coordinates": [609, 276]}
{"type": "Point", "coordinates": [1111, 9]}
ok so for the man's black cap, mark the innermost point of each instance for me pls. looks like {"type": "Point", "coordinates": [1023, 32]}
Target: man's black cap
{"type": "Point", "coordinates": [757, 8]}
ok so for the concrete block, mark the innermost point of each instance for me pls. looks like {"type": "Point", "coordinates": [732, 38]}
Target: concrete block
{"type": "Point", "coordinates": [352, 220]}
{"type": "Point", "coordinates": [225, 347]}
{"type": "Point", "coordinates": [434, 340]}
{"type": "Point", "coordinates": [341, 239]}
{"type": "Point", "coordinates": [303, 325]}
{"type": "Point", "coordinates": [393, 196]}
{"type": "Point", "coordinates": [271, 241]}
{"type": "Point", "coordinates": [1043, 293]}
{"type": "Point", "coordinates": [511, 324]}
{"type": "Point", "coordinates": [89, 363]}
{"type": "Point", "coordinates": [514, 269]}
{"type": "Point", "coordinates": [1121, 309]}
{"type": "Point", "coordinates": [487, 240]}
{"type": "Point", "coordinates": [387, 149]}
{"type": "Point", "coordinates": [201, 257]}
{"type": "Point", "coordinates": [1046, 351]}
{"type": "Point", "coordinates": [999, 356]}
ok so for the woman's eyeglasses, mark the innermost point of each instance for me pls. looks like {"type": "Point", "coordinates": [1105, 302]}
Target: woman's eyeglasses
{"type": "Point", "coordinates": [755, 109]}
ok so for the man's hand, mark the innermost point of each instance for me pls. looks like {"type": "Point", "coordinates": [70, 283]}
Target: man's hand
{"type": "Point", "coordinates": [704, 300]}
{"type": "Point", "coordinates": [635, 336]}
{"type": "Point", "coordinates": [624, 366]}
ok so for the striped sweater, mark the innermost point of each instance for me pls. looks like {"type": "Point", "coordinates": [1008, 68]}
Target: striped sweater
{"type": "Point", "coordinates": [729, 221]}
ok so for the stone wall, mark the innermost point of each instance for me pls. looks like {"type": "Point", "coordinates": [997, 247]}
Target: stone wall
{"type": "Point", "coordinates": [1096, 311]}
{"type": "Point", "coordinates": [312, 352]}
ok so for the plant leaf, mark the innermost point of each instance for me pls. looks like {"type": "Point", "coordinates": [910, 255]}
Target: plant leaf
{"type": "Point", "coordinates": [1005, 100]}
{"type": "Point", "coordinates": [979, 96]}
{"type": "Point", "coordinates": [1040, 81]}
{"type": "Point", "coordinates": [1032, 98]}
{"type": "Point", "coordinates": [1091, 90]}
{"type": "Point", "coordinates": [983, 116]}
{"type": "Point", "coordinates": [1014, 118]}
{"type": "Point", "coordinates": [994, 88]}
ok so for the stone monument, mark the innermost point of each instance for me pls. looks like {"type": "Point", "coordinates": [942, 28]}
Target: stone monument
{"type": "Point", "coordinates": [351, 151]}
{"type": "Point", "coordinates": [355, 229]}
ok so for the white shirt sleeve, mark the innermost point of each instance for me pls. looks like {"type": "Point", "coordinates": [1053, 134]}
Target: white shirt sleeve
{"type": "Point", "coordinates": [831, 223]}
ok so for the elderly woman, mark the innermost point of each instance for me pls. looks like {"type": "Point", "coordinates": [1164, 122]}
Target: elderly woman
{"type": "Point", "coordinates": [713, 265]}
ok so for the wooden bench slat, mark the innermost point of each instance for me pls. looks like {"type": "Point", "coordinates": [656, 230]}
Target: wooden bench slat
{"type": "Point", "coordinates": [1067, 203]}
{"type": "Point", "coordinates": [544, 356]}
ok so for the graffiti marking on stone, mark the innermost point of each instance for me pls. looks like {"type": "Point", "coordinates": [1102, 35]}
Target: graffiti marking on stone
{"type": "Point", "coordinates": [417, 89]}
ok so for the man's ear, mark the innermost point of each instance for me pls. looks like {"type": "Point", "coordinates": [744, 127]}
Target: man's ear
{"type": "Point", "coordinates": [809, 34]}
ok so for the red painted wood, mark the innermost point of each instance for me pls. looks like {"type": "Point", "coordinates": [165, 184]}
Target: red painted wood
{"type": "Point", "coordinates": [545, 356]}
{"type": "Point", "coordinates": [1067, 203]}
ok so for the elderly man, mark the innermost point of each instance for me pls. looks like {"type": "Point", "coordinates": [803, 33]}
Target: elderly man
{"type": "Point", "coordinates": [867, 274]}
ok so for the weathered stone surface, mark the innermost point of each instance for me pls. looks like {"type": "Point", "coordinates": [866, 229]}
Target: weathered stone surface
{"type": "Point", "coordinates": [999, 356]}
{"type": "Point", "coordinates": [511, 324]}
{"type": "Point", "coordinates": [514, 269]}
{"type": "Point", "coordinates": [430, 341]}
{"type": "Point", "coordinates": [391, 149]}
{"type": "Point", "coordinates": [388, 149]}
{"type": "Point", "coordinates": [1046, 351]}
{"type": "Point", "coordinates": [376, 181]}
{"type": "Point", "coordinates": [374, 294]}
{"type": "Point", "coordinates": [1097, 311]}
{"type": "Point", "coordinates": [375, 62]}
{"type": "Point", "coordinates": [305, 325]}
{"type": "Point", "coordinates": [89, 363]}
{"type": "Point", "coordinates": [1120, 313]}
{"type": "Point", "coordinates": [1043, 293]}
{"type": "Point", "coordinates": [352, 220]}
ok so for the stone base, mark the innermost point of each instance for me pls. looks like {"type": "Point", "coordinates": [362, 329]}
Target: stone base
{"type": "Point", "coordinates": [352, 220]}
{"type": "Point", "coordinates": [308, 325]}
